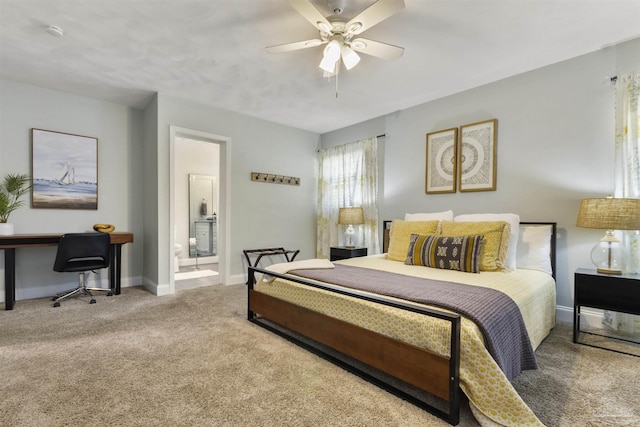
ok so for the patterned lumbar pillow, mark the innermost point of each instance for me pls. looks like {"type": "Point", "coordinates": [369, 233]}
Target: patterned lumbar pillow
{"type": "Point", "coordinates": [461, 253]}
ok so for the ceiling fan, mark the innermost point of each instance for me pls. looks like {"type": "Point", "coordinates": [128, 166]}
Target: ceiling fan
{"type": "Point", "coordinates": [340, 37]}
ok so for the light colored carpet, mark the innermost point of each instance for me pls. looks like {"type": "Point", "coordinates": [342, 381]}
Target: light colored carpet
{"type": "Point", "coordinates": [192, 359]}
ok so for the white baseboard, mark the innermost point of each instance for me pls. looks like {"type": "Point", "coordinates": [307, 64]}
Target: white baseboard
{"type": "Point", "coordinates": [49, 290]}
{"type": "Point", "coordinates": [237, 279]}
{"type": "Point", "coordinates": [588, 317]}
{"type": "Point", "coordinates": [564, 314]}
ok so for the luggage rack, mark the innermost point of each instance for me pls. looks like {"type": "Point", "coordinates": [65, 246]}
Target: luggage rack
{"type": "Point", "coordinates": [289, 254]}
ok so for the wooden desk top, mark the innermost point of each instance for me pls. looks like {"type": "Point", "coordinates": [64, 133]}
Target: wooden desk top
{"type": "Point", "coordinates": [51, 239]}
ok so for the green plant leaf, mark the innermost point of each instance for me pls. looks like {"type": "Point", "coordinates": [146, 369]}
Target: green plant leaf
{"type": "Point", "coordinates": [12, 188]}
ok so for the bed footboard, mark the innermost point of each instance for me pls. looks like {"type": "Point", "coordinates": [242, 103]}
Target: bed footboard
{"type": "Point", "coordinates": [432, 373]}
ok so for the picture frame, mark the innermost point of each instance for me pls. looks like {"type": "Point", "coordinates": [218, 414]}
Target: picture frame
{"type": "Point", "coordinates": [441, 161]}
{"type": "Point", "coordinates": [477, 161]}
{"type": "Point", "coordinates": [64, 170]}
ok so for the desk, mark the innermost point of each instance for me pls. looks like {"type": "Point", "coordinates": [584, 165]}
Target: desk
{"type": "Point", "coordinates": [10, 243]}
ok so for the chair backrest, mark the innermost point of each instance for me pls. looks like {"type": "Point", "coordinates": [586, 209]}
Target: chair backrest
{"type": "Point", "coordinates": [82, 252]}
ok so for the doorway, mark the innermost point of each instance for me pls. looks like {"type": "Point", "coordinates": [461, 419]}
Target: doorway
{"type": "Point", "coordinates": [199, 205]}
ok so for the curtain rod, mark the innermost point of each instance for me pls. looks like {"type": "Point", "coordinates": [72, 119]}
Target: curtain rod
{"type": "Point", "coordinates": [384, 135]}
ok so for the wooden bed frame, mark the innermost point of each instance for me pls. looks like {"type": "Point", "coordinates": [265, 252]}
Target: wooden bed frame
{"type": "Point", "coordinates": [428, 372]}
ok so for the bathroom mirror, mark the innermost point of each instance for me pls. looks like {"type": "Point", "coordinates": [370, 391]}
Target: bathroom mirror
{"type": "Point", "coordinates": [203, 205]}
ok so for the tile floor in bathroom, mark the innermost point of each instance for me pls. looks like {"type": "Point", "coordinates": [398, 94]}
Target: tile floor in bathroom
{"type": "Point", "coordinates": [199, 281]}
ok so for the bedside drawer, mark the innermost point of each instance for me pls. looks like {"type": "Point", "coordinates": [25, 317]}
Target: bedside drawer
{"type": "Point", "coordinates": [340, 252]}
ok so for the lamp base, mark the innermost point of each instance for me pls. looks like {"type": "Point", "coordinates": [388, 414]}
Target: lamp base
{"type": "Point", "coordinates": [608, 271]}
{"type": "Point", "coordinates": [608, 255]}
{"type": "Point", "coordinates": [349, 246]}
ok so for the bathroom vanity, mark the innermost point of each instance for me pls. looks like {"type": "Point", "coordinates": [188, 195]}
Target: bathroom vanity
{"type": "Point", "coordinates": [203, 224]}
{"type": "Point", "coordinates": [205, 235]}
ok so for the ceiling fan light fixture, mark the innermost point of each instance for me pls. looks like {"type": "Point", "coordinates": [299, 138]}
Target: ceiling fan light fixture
{"type": "Point", "coordinates": [331, 56]}
{"type": "Point", "coordinates": [349, 57]}
{"type": "Point", "coordinates": [328, 65]}
{"type": "Point", "coordinates": [332, 51]}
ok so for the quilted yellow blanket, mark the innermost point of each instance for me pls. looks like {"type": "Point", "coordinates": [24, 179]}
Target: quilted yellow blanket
{"type": "Point", "coordinates": [493, 399]}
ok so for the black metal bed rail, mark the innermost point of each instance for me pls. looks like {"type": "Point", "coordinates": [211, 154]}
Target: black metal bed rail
{"type": "Point", "coordinates": [453, 414]}
{"type": "Point", "coordinates": [289, 254]}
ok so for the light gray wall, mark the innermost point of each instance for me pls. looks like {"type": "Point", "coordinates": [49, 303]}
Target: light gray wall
{"type": "Point", "coordinates": [134, 175]}
{"type": "Point", "coordinates": [555, 147]}
{"type": "Point", "coordinates": [119, 134]}
{"type": "Point", "coordinates": [262, 215]}
{"type": "Point", "coordinates": [150, 195]}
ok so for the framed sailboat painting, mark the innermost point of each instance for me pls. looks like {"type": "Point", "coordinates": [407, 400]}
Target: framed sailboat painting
{"type": "Point", "coordinates": [64, 170]}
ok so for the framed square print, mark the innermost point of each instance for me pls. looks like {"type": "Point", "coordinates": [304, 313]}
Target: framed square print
{"type": "Point", "coordinates": [477, 156]}
{"type": "Point", "coordinates": [64, 170]}
{"type": "Point", "coordinates": [441, 161]}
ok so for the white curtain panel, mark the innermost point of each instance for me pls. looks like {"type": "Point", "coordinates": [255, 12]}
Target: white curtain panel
{"type": "Point", "coordinates": [348, 177]}
{"type": "Point", "coordinates": [627, 181]}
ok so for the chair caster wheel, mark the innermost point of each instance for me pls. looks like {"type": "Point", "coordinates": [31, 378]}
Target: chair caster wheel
{"type": "Point", "coordinates": [56, 304]}
{"type": "Point", "coordinates": [110, 294]}
{"type": "Point", "coordinates": [54, 298]}
{"type": "Point", "coordinates": [93, 301]}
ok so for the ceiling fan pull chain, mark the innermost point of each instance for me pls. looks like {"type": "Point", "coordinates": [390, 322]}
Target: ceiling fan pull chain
{"type": "Point", "coordinates": [337, 86]}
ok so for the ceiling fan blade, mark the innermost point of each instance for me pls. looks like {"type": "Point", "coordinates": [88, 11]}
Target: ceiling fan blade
{"type": "Point", "coordinates": [377, 12]}
{"type": "Point", "coordinates": [385, 51]}
{"type": "Point", "coordinates": [288, 47]}
{"type": "Point", "coordinates": [311, 14]}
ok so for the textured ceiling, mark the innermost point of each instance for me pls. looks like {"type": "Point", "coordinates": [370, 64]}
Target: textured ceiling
{"type": "Point", "coordinates": [212, 51]}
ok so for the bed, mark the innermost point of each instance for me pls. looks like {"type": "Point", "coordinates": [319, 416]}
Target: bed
{"type": "Point", "coordinates": [425, 354]}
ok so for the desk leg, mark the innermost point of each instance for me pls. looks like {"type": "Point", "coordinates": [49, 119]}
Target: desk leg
{"type": "Point", "coordinates": [115, 269]}
{"type": "Point", "coordinates": [9, 278]}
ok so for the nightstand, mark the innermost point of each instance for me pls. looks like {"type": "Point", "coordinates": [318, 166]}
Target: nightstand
{"type": "Point", "coordinates": [615, 292]}
{"type": "Point", "coordinates": [341, 252]}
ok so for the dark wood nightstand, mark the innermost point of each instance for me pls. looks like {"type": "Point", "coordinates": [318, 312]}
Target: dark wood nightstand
{"type": "Point", "coordinates": [341, 252]}
{"type": "Point", "coordinates": [613, 292]}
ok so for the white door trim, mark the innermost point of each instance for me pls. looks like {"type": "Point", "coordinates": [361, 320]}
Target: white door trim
{"type": "Point", "coordinates": [224, 210]}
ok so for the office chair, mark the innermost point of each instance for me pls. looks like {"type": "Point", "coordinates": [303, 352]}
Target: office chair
{"type": "Point", "coordinates": [82, 252]}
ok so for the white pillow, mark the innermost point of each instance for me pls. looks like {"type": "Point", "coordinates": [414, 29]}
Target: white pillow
{"type": "Point", "coordinates": [514, 223]}
{"type": "Point", "coordinates": [534, 248]}
{"type": "Point", "coordinates": [442, 216]}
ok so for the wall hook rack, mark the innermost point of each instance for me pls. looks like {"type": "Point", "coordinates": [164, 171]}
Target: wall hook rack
{"type": "Point", "coordinates": [274, 179]}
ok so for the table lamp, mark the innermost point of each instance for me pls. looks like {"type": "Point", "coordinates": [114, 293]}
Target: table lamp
{"type": "Point", "coordinates": [350, 216]}
{"type": "Point", "coordinates": [609, 214]}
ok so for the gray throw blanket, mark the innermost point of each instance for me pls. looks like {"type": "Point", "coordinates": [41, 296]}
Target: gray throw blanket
{"type": "Point", "coordinates": [495, 313]}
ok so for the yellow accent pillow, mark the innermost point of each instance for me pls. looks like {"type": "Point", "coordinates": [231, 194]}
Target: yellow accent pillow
{"type": "Point", "coordinates": [400, 235]}
{"type": "Point", "coordinates": [493, 252]}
